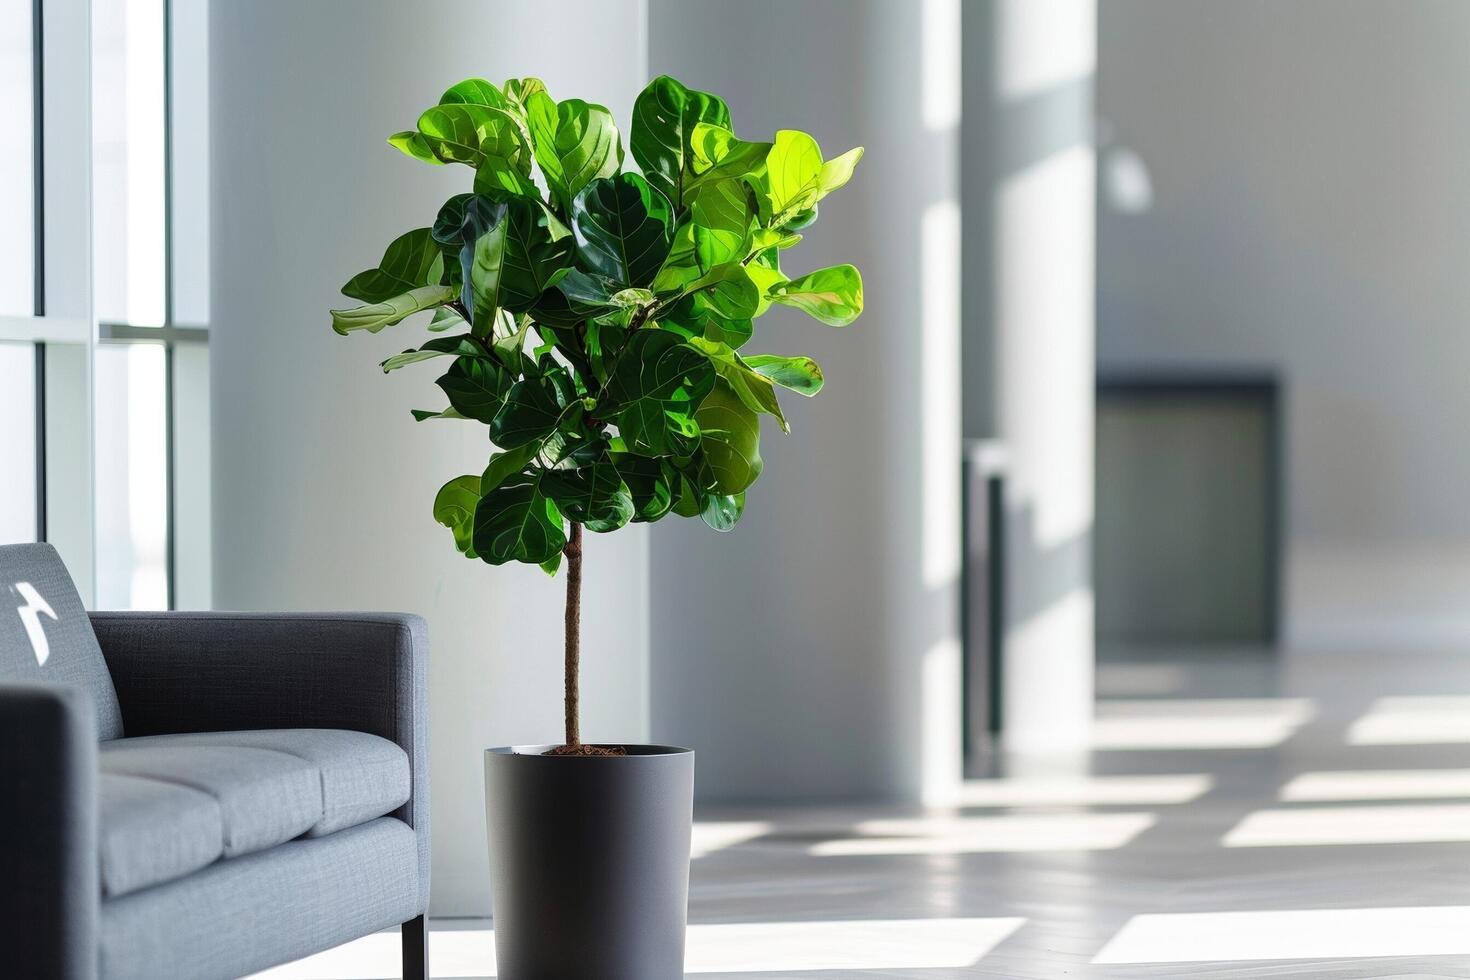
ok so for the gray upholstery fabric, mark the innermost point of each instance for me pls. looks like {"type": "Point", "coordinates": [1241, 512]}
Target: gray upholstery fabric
{"type": "Point", "coordinates": [265, 798]}
{"type": "Point", "coordinates": [45, 635]}
{"type": "Point", "coordinates": [202, 672]}
{"type": "Point", "coordinates": [362, 776]}
{"type": "Point", "coordinates": [249, 913]}
{"type": "Point", "coordinates": [151, 832]}
{"type": "Point", "coordinates": [48, 832]}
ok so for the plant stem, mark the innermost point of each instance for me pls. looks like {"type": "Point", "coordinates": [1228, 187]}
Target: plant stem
{"type": "Point", "coordinates": [573, 553]}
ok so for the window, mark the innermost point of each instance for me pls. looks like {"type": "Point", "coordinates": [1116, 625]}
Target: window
{"type": "Point", "coordinates": [105, 387]}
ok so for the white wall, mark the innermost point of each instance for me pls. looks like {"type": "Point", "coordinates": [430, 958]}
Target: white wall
{"type": "Point", "coordinates": [1308, 164]}
{"type": "Point", "coordinates": [813, 651]}
{"type": "Point", "coordinates": [323, 483]}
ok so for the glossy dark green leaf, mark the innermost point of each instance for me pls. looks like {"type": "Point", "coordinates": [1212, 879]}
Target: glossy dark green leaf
{"type": "Point", "coordinates": [730, 434]}
{"type": "Point", "coordinates": [530, 413]}
{"type": "Point", "coordinates": [503, 466]}
{"type": "Point", "coordinates": [515, 249]}
{"type": "Point", "coordinates": [376, 316]}
{"type": "Point", "coordinates": [800, 374]}
{"type": "Point", "coordinates": [624, 229]}
{"type": "Point", "coordinates": [454, 507]}
{"type": "Point", "coordinates": [722, 512]}
{"type": "Point", "coordinates": [423, 414]}
{"type": "Point", "coordinates": [592, 495]}
{"type": "Point", "coordinates": [833, 295]}
{"type": "Point", "coordinates": [412, 259]}
{"type": "Point", "coordinates": [576, 143]}
{"type": "Point", "coordinates": [517, 522]}
{"type": "Point", "coordinates": [476, 387]}
{"type": "Point", "coordinates": [464, 345]}
{"type": "Point", "coordinates": [654, 388]}
{"type": "Point", "coordinates": [664, 117]}
{"type": "Point", "coordinates": [650, 484]}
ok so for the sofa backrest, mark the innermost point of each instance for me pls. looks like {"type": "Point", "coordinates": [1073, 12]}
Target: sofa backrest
{"type": "Point", "coordinates": [45, 634]}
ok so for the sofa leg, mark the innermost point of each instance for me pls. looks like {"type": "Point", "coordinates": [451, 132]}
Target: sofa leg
{"type": "Point", "coordinates": [416, 949]}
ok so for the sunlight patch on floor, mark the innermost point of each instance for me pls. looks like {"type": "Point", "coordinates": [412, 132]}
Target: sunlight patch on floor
{"type": "Point", "coordinates": [1440, 822]}
{"type": "Point", "coordinates": [1085, 790]}
{"type": "Point", "coordinates": [1381, 784]}
{"type": "Point", "coordinates": [1427, 720]}
{"type": "Point", "coordinates": [1289, 935]}
{"type": "Point", "coordinates": [988, 835]}
{"type": "Point", "coordinates": [1208, 723]}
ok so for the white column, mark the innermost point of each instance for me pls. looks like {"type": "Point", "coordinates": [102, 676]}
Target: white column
{"type": "Point", "coordinates": [323, 483]}
{"type": "Point", "coordinates": [814, 651]}
{"type": "Point", "coordinates": [1029, 273]}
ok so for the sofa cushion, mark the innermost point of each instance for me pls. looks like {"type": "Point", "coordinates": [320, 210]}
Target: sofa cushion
{"type": "Point", "coordinates": [172, 804]}
{"type": "Point", "coordinates": [151, 832]}
{"type": "Point", "coordinates": [45, 634]}
{"type": "Point", "coordinates": [265, 798]}
{"type": "Point", "coordinates": [362, 776]}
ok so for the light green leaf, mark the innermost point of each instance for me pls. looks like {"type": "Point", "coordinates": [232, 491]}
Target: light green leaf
{"type": "Point", "coordinates": [624, 228]}
{"type": "Point", "coordinates": [664, 116]}
{"type": "Point", "coordinates": [794, 172]}
{"type": "Point", "coordinates": [719, 154]}
{"type": "Point", "coordinates": [837, 171]}
{"type": "Point", "coordinates": [454, 507]}
{"type": "Point", "coordinates": [446, 319]}
{"type": "Point", "coordinates": [755, 390]}
{"type": "Point", "coordinates": [412, 143]}
{"type": "Point", "coordinates": [576, 143]}
{"type": "Point", "coordinates": [800, 374]}
{"type": "Point", "coordinates": [376, 316]}
{"type": "Point", "coordinates": [720, 214]}
{"type": "Point", "coordinates": [423, 414]}
{"type": "Point", "coordinates": [833, 295]}
{"type": "Point", "coordinates": [517, 522]}
{"type": "Point", "coordinates": [463, 345]}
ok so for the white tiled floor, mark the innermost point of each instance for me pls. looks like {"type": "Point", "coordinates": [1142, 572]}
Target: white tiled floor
{"type": "Point", "coordinates": [1239, 817]}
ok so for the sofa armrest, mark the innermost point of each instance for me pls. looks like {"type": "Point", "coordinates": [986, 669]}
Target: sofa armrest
{"type": "Point", "coordinates": [48, 831]}
{"type": "Point", "coordinates": [205, 672]}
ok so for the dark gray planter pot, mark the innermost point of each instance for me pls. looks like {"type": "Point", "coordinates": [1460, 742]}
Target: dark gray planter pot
{"type": "Point", "coordinates": [589, 862]}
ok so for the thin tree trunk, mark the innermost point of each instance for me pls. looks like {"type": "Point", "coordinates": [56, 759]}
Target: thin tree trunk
{"type": "Point", "coordinates": [573, 554]}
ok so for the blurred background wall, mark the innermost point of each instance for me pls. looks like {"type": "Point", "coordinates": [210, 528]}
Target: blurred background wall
{"type": "Point", "coordinates": [1304, 212]}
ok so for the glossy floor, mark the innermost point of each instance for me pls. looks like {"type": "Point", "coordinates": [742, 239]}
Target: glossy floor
{"type": "Point", "coordinates": [1241, 815]}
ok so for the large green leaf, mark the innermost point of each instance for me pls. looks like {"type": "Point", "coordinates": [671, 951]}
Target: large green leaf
{"type": "Point", "coordinates": [719, 154]}
{"type": "Point", "coordinates": [624, 228]}
{"type": "Point", "coordinates": [530, 413]}
{"type": "Point", "coordinates": [664, 116]}
{"type": "Point", "coordinates": [593, 495]}
{"type": "Point", "coordinates": [576, 143]}
{"type": "Point", "coordinates": [515, 249]}
{"type": "Point", "coordinates": [833, 295]}
{"type": "Point", "coordinates": [411, 260]}
{"type": "Point", "coordinates": [730, 434]}
{"type": "Point", "coordinates": [800, 374]}
{"type": "Point", "coordinates": [794, 173]}
{"type": "Point", "coordinates": [837, 171]}
{"type": "Point", "coordinates": [517, 522]}
{"type": "Point", "coordinates": [503, 466]}
{"type": "Point", "coordinates": [650, 485]}
{"type": "Point", "coordinates": [413, 144]}
{"type": "Point", "coordinates": [376, 316]}
{"type": "Point", "coordinates": [461, 345]}
{"type": "Point", "coordinates": [454, 507]}
{"type": "Point", "coordinates": [654, 388]}
{"type": "Point", "coordinates": [722, 512]}
{"type": "Point", "coordinates": [756, 391]}
{"type": "Point", "coordinates": [720, 214]}
{"type": "Point", "coordinates": [476, 387]}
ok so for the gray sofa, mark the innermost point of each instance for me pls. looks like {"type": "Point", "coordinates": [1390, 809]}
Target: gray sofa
{"type": "Point", "coordinates": [201, 795]}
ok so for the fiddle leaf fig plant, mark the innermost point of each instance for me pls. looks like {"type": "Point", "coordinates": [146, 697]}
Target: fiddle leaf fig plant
{"type": "Point", "coordinates": [596, 320]}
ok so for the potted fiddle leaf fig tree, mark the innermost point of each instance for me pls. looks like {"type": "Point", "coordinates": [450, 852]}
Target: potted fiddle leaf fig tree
{"type": "Point", "coordinates": [597, 320]}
